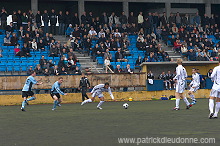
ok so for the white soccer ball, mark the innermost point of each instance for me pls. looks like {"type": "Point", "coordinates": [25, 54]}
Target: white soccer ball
{"type": "Point", "coordinates": [125, 105]}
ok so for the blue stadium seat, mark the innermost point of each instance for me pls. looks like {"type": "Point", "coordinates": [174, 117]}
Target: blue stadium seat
{"type": "Point", "coordinates": [10, 68]}
{"type": "Point", "coordinates": [17, 68]}
{"type": "Point", "coordinates": [3, 67]}
{"type": "Point", "coordinates": [23, 68]}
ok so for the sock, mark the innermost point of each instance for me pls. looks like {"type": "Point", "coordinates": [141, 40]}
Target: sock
{"type": "Point", "coordinates": [31, 98]}
{"type": "Point", "coordinates": [23, 104]}
{"type": "Point", "coordinates": [88, 100]}
{"type": "Point", "coordinates": [55, 104]}
{"type": "Point", "coordinates": [186, 101]}
{"type": "Point", "coordinates": [100, 103]}
{"type": "Point", "coordinates": [177, 103]}
{"type": "Point", "coordinates": [192, 97]}
{"type": "Point", "coordinates": [217, 107]}
{"type": "Point", "coordinates": [211, 105]}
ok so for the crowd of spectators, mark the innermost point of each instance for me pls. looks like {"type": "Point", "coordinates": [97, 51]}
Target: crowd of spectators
{"type": "Point", "coordinates": [196, 42]}
{"type": "Point", "coordinates": [97, 35]}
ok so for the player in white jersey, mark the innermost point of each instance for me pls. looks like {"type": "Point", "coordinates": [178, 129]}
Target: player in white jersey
{"type": "Point", "coordinates": [180, 78]}
{"type": "Point", "coordinates": [194, 85]}
{"type": "Point", "coordinates": [215, 92]}
{"type": "Point", "coordinates": [97, 91]}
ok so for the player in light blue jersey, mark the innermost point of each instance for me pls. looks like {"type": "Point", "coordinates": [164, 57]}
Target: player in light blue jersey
{"type": "Point", "coordinates": [27, 89]}
{"type": "Point", "coordinates": [97, 91]}
{"type": "Point", "coordinates": [55, 93]}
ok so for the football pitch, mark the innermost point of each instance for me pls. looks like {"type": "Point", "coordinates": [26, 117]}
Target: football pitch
{"type": "Point", "coordinates": [76, 125]}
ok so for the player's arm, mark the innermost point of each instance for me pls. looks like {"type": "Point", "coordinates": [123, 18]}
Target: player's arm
{"type": "Point", "coordinates": [177, 74]}
{"type": "Point", "coordinates": [35, 81]}
{"type": "Point", "coordinates": [58, 90]}
{"type": "Point", "coordinates": [213, 75]}
{"type": "Point", "coordinates": [110, 93]}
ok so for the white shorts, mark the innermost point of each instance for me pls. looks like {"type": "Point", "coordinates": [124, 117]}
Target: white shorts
{"type": "Point", "coordinates": [215, 93]}
{"type": "Point", "coordinates": [180, 87]}
{"type": "Point", "coordinates": [97, 94]}
{"type": "Point", "coordinates": [194, 89]}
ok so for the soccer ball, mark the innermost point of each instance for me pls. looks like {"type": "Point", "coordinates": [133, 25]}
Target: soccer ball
{"type": "Point", "coordinates": [125, 105]}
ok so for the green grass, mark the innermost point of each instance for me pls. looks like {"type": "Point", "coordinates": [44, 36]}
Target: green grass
{"type": "Point", "coordinates": [75, 125]}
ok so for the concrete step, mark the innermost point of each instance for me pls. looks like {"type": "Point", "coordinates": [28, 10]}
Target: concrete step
{"type": "Point", "coordinates": [175, 56]}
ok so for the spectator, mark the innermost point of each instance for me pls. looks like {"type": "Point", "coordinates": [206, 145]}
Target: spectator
{"type": "Point", "coordinates": [140, 20]}
{"type": "Point", "coordinates": [29, 71]}
{"type": "Point", "coordinates": [202, 80]}
{"type": "Point", "coordinates": [45, 18]}
{"type": "Point", "coordinates": [197, 19]}
{"type": "Point", "coordinates": [26, 51]}
{"type": "Point", "coordinates": [169, 80]}
{"type": "Point", "coordinates": [108, 54]}
{"type": "Point", "coordinates": [55, 70]}
{"type": "Point", "coordinates": [151, 58]}
{"type": "Point", "coordinates": [42, 61]}
{"type": "Point", "coordinates": [77, 71]}
{"type": "Point", "coordinates": [87, 71]}
{"type": "Point", "coordinates": [108, 65]}
{"type": "Point", "coordinates": [46, 72]}
{"type": "Point", "coordinates": [9, 28]}
{"type": "Point", "coordinates": [41, 45]}
{"type": "Point", "coordinates": [3, 17]}
{"type": "Point", "coordinates": [21, 33]}
{"type": "Point", "coordinates": [7, 40]}
{"type": "Point", "coordinates": [123, 18]}
{"type": "Point", "coordinates": [38, 19]}
{"type": "Point", "coordinates": [38, 70]}
{"type": "Point", "coordinates": [119, 56]}
{"type": "Point", "coordinates": [118, 69]}
{"type": "Point", "coordinates": [53, 22]}
{"type": "Point", "coordinates": [209, 73]}
{"type": "Point", "coordinates": [63, 71]}
{"type": "Point", "coordinates": [177, 46]}
{"type": "Point", "coordinates": [19, 21]}
{"type": "Point", "coordinates": [34, 45]}
{"type": "Point", "coordinates": [138, 61]}
{"type": "Point", "coordinates": [150, 75]}
{"type": "Point", "coordinates": [14, 39]}
{"type": "Point", "coordinates": [24, 20]}
{"type": "Point", "coordinates": [132, 19]}
{"type": "Point", "coordinates": [191, 55]}
{"type": "Point", "coordinates": [75, 20]}
{"type": "Point", "coordinates": [53, 51]}
{"type": "Point", "coordinates": [69, 30]}
{"type": "Point", "coordinates": [17, 51]}
{"type": "Point", "coordinates": [162, 76]}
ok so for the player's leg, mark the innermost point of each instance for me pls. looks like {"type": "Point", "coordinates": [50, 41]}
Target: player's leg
{"type": "Point", "coordinates": [188, 105]}
{"type": "Point", "coordinates": [31, 93]}
{"type": "Point", "coordinates": [217, 107]}
{"type": "Point", "coordinates": [170, 85]}
{"type": "Point", "coordinates": [213, 94]}
{"type": "Point", "coordinates": [84, 90]}
{"type": "Point", "coordinates": [55, 102]}
{"type": "Point", "coordinates": [192, 96]}
{"type": "Point", "coordinates": [23, 102]}
{"type": "Point", "coordinates": [165, 82]}
{"type": "Point", "coordinates": [100, 102]}
{"type": "Point", "coordinates": [59, 101]}
{"type": "Point", "coordinates": [83, 94]}
{"type": "Point", "coordinates": [177, 107]}
{"type": "Point", "coordinates": [90, 99]}
{"type": "Point", "coordinates": [177, 95]}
